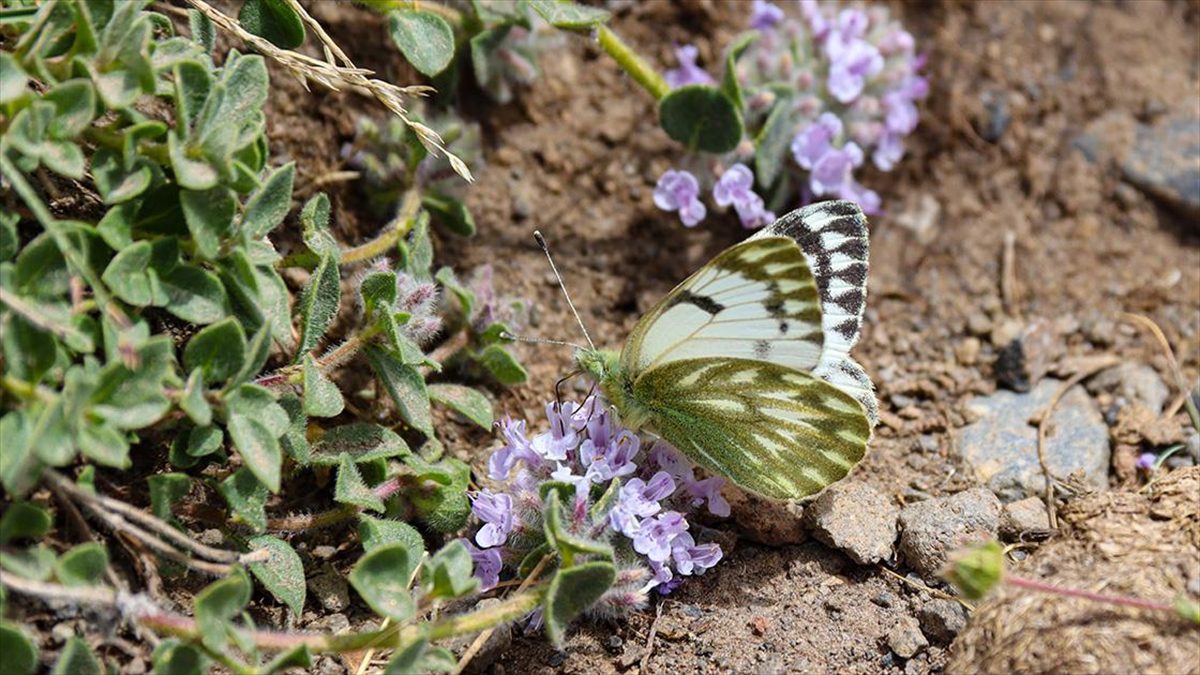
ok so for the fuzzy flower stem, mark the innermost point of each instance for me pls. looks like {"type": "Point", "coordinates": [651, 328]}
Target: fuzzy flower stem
{"type": "Point", "coordinates": [633, 64]}
{"type": "Point", "coordinates": [163, 622]}
{"type": "Point", "coordinates": [1043, 587]}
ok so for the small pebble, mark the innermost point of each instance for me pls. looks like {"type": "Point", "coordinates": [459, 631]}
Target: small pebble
{"type": "Point", "coordinates": [906, 639]}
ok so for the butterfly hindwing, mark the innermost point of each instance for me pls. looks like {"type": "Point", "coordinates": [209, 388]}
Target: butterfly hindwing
{"type": "Point", "coordinates": [756, 300]}
{"type": "Point", "coordinates": [775, 431]}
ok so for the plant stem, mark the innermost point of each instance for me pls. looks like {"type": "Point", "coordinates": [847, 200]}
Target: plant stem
{"type": "Point", "coordinates": [1043, 587]}
{"type": "Point", "coordinates": [633, 64]}
{"type": "Point", "coordinates": [405, 218]}
{"type": "Point", "coordinates": [113, 140]}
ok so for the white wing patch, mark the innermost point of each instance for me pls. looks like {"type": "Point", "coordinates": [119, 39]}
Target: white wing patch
{"type": "Point", "coordinates": [833, 237]}
{"type": "Point", "coordinates": [756, 301]}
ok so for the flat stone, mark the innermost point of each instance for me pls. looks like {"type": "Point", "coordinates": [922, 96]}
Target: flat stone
{"type": "Point", "coordinates": [330, 589]}
{"type": "Point", "coordinates": [1165, 163]}
{"type": "Point", "coordinates": [857, 520]}
{"type": "Point", "coordinates": [1023, 517]}
{"type": "Point", "coordinates": [933, 529]}
{"type": "Point", "coordinates": [1135, 383]}
{"type": "Point", "coordinates": [1000, 446]}
{"type": "Point", "coordinates": [941, 620]}
{"type": "Point", "coordinates": [906, 638]}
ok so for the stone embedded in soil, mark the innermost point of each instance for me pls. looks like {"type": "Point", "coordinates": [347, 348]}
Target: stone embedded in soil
{"type": "Point", "coordinates": [1024, 360]}
{"type": "Point", "coordinates": [855, 519]}
{"type": "Point", "coordinates": [931, 530]}
{"type": "Point", "coordinates": [1165, 163]}
{"type": "Point", "coordinates": [941, 620]}
{"type": "Point", "coordinates": [906, 639]}
{"type": "Point", "coordinates": [1107, 139]}
{"type": "Point", "coordinates": [1024, 517]}
{"type": "Point", "coordinates": [1133, 382]}
{"type": "Point", "coordinates": [330, 589]}
{"type": "Point", "coordinates": [1000, 446]}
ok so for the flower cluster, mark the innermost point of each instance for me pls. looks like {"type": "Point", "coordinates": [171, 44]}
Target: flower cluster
{"type": "Point", "coordinates": [848, 81]}
{"type": "Point", "coordinates": [632, 498]}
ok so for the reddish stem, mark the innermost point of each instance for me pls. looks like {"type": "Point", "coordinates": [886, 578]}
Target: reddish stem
{"type": "Point", "coordinates": [1034, 585]}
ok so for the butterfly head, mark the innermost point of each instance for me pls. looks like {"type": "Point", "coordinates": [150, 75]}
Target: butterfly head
{"type": "Point", "coordinates": [601, 364]}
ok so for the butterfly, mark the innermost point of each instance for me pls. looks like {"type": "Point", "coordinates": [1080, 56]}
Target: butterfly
{"type": "Point", "coordinates": [745, 366]}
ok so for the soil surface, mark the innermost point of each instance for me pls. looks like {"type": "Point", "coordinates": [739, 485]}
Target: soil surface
{"type": "Point", "coordinates": [1031, 103]}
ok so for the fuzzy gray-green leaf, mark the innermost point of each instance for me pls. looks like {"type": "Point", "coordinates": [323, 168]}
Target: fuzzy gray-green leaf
{"type": "Point", "coordinates": [361, 441]}
{"type": "Point", "coordinates": [424, 38]}
{"type": "Point", "coordinates": [282, 573]}
{"type": "Point", "coordinates": [217, 350]}
{"type": "Point", "coordinates": [318, 304]}
{"type": "Point", "coordinates": [77, 659]}
{"type": "Point", "coordinates": [259, 449]}
{"type": "Point", "coordinates": [464, 400]}
{"type": "Point", "coordinates": [209, 217]}
{"type": "Point", "coordinates": [702, 118]}
{"type": "Point", "coordinates": [247, 497]}
{"type": "Point", "coordinates": [269, 204]}
{"type": "Point", "coordinates": [322, 398]}
{"type": "Point", "coordinates": [82, 565]}
{"type": "Point", "coordinates": [18, 649]}
{"type": "Point", "coordinates": [351, 489]}
{"type": "Point", "coordinates": [405, 385]}
{"type": "Point", "coordinates": [572, 591]}
{"type": "Point", "coordinates": [382, 579]}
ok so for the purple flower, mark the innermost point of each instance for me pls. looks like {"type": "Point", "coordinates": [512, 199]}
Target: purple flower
{"type": "Point", "coordinates": [680, 191]}
{"type": "Point", "coordinates": [764, 15]}
{"type": "Point", "coordinates": [488, 564]}
{"type": "Point", "coordinates": [811, 12]}
{"type": "Point", "coordinates": [654, 537]}
{"type": "Point", "coordinates": [639, 499]}
{"type": "Point", "coordinates": [516, 447]}
{"type": "Point", "coordinates": [687, 72]}
{"type": "Point", "coordinates": [888, 151]}
{"type": "Point", "coordinates": [612, 459]}
{"type": "Point", "coordinates": [848, 74]}
{"type": "Point", "coordinates": [901, 113]}
{"type": "Point", "coordinates": [691, 558]}
{"type": "Point", "coordinates": [709, 490]}
{"type": "Point", "coordinates": [1146, 460]}
{"type": "Point", "coordinates": [664, 580]}
{"type": "Point", "coordinates": [563, 434]}
{"type": "Point", "coordinates": [496, 512]}
{"type": "Point", "coordinates": [832, 171]}
{"type": "Point", "coordinates": [816, 139]}
{"type": "Point", "coordinates": [867, 199]}
{"type": "Point", "coordinates": [735, 187]}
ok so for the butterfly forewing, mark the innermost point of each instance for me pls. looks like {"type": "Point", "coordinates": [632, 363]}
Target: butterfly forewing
{"type": "Point", "coordinates": [772, 430]}
{"type": "Point", "coordinates": [756, 300]}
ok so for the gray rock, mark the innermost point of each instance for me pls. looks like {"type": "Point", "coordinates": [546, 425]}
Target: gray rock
{"type": "Point", "coordinates": [1165, 163]}
{"type": "Point", "coordinates": [1107, 139]}
{"type": "Point", "coordinates": [1023, 361]}
{"type": "Point", "coordinates": [766, 521]}
{"type": "Point", "coordinates": [906, 638]}
{"type": "Point", "coordinates": [1000, 446]}
{"type": "Point", "coordinates": [330, 589]}
{"type": "Point", "coordinates": [941, 620]}
{"type": "Point", "coordinates": [855, 519]}
{"type": "Point", "coordinates": [1023, 517]}
{"type": "Point", "coordinates": [931, 530]}
{"type": "Point", "coordinates": [1134, 382]}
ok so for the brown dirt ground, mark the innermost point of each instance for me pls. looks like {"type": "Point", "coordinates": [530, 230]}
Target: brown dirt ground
{"type": "Point", "coordinates": [579, 153]}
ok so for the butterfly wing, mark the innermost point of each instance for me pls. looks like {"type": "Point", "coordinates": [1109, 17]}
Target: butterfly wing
{"type": "Point", "coordinates": [772, 430]}
{"type": "Point", "coordinates": [833, 238]}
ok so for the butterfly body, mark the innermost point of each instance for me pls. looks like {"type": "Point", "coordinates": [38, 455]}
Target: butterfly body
{"type": "Point", "coordinates": [745, 367]}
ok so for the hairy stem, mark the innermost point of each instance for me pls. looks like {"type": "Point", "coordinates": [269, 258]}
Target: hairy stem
{"type": "Point", "coordinates": [635, 65]}
{"type": "Point", "coordinates": [1043, 587]}
{"type": "Point", "coordinates": [402, 224]}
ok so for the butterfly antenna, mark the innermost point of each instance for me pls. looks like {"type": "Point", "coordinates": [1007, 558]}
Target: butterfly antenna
{"type": "Point", "coordinates": [505, 335]}
{"type": "Point", "coordinates": [546, 249]}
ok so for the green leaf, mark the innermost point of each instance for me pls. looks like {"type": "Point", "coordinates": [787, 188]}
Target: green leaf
{"type": "Point", "coordinates": [217, 604]}
{"type": "Point", "coordinates": [352, 489]}
{"type": "Point", "coordinates": [424, 38]}
{"type": "Point", "coordinates": [502, 365]}
{"type": "Point", "coordinates": [407, 659]}
{"type": "Point", "coordinates": [416, 251]}
{"type": "Point", "coordinates": [23, 520]}
{"type": "Point", "coordinates": [378, 291]}
{"type": "Point", "coordinates": [295, 439]}
{"type": "Point", "coordinates": [20, 654]}
{"type": "Point", "coordinates": [464, 400]}
{"type": "Point", "coordinates": [247, 497]}
{"type": "Point", "coordinates": [382, 578]}
{"type": "Point", "coordinates": [166, 489]}
{"type": "Point", "coordinates": [442, 502]}
{"type": "Point", "coordinates": [203, 32]}
{"type": "Point", "coordinates": [172, 657]}
{"type": "Point", "coordinates": [273, 295]}
{"type": "Point", "coordinates": [269, 204]}
{"type": "Point", "coordinates": [573, 590]}
{"type": "Point", "coordinates": [209, 216]}
{"type": "Point", "coordinates": [772, 143]}
{"type": "Point", "coordinates": [192, 173]}
{"type": "Point", "coordinates": [448, 574]}
{"type": "Point", "coordinates": [203, 441]}
{"type": "Point", "coordinates": [20, 468]}
{"type": "Point", "coordinates": [259, 449]}
{"type": "Point", "coordinates": [273, 20]}
{"type": "Point", "coordinates": [116, 182]}
{"type": "Point", "coordinates": [193, 402]}
{"type": "Point", "coordinates": [451, 213]}
{"type": "Point", "coordinates": [282, 574]}
{"type": "Point", "coordinates": [318, 304]}
{"type": "Point", "coordinates": [10, 243]}
{"type": "Point", "coordinates": [35, 562]}
{"type": "Point", "coordinates": [568, 545]}
{"type": "Point", "coordinates": [12, 79]}
{"type": "Point", "coordinates": [322, 398]}
{"type": "Point", "coordinates": [104, 445]}
{"type": "Point", "coordinates": [128, 275]}
{"type": "Point", "coordinates": [569, 15]}
{"type": "Point", "coordinates": [194, 294]}
{"type": "Point", "coordinates": [976, 570]}
{"type": "Point", "coordinates": [82, 565]}
{"type": "Point", "coordinates": [314, 220]}
{"type": "Point", "coordinates": [74, 107]}
{"type": "Point", "coordinates": [217, 350]}
{"type": "Point", "coordinates": [729, 82]}
{"type": "Point", "coordinates": [377, 532]}
{"type": "Point", "coordinates": [405, 385]}
{"type": "Point", "coordinates": [702, 118]}
{"type": "Point", "coordinates": [77, 659]}
{"type": "Point", "coordinates": [362, 442]}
